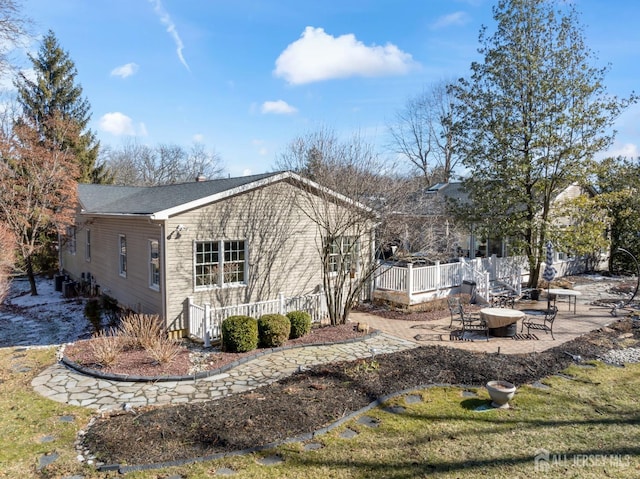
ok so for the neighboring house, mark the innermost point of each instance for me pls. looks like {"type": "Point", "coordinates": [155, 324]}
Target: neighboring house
{"type": "Point", "coordinates": [223, 242]}
{"type": "Point", "coordinates": [464, 241]}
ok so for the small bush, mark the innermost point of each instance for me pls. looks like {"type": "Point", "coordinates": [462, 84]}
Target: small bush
{"type": "Point", "coordinates": [239, 334]}
{"type": "Point", "coordinates": [164, 349]}
{"type": "Point", "coordinates": [300, 324]}
{"type": "Point", "coordinates": [106, 346]}
{"type": "Point", "coordinates": [93, 312]}
{"type": "Point", "coordinates": [273, 330]}
{"type": "Point", "coordinates": [141, 330]}
{"type": "Point", "coordinates": [110, 308]}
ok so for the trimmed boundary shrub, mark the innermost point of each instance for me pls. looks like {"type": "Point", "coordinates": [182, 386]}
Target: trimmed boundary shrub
{"type": "Point", "coordinates": [300, 324]}
{"type": "Point", "coordinates": [273, 330]}
{"type": "Point", "coordinates": [239, 334]}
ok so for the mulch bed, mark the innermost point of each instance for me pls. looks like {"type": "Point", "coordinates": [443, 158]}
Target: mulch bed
{"type": "Point", "coordinates": [312, 399]}
{"type": "Point", "coordinates": [137, 362]}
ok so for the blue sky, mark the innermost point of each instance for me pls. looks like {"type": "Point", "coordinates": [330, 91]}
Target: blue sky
{"type": "Point", "coordinates": [245, 77]}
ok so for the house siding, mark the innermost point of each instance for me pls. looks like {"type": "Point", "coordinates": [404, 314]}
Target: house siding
{"type": "Point", "coordinates": [281, 245]}
{"type": "Point", "coordinates": [281, 249]}
{"type": "Point", "coordinates": [132, 291]}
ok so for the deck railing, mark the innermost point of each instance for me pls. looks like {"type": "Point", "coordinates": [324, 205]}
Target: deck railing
{"type": "Point", "coordinates": [414, 280]}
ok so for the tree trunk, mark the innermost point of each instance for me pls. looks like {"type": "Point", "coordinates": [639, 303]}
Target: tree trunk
{"type": "Point", "coordinates": [30, 275]}
{"type": "Point", "coordinates": [534, 274]}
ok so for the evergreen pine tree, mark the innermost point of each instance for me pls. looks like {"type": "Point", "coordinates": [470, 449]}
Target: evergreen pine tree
{"type": "Point", "coordinates": [54, 91]}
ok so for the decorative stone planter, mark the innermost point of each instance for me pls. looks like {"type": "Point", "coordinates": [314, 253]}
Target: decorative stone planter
{"type": "Point", "coordinates": [500, 392]}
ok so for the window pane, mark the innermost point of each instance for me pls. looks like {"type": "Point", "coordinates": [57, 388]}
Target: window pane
{"type": "Point", "coordinates": [123, 255]}
{"type": "Point", "coordinates": [154, 263]}
{"type": "Point", "coordinates": [234, 264]}
{"type": "Point", "coordinates": [87, 250]}
{"type": "Point", "coordinates": [206, 263]}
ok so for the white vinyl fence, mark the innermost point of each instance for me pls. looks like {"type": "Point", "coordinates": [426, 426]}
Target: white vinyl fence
{"type": "Point", "coordinates": [204, 321]}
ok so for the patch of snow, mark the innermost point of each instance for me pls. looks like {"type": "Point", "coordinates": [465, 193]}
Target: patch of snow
{"type": "Point", "coordinates": [43, 320]}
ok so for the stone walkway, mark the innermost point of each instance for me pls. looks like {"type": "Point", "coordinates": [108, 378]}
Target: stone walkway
{"type": "Point", "coordinates": [64, 385]}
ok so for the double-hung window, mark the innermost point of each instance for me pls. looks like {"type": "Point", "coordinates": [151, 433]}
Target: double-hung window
{"type": "Point", "coordinates": [154, 264]}
{"type": "Point", "coordinates": [219, 263]}
{"type": "Point", "coordinates": [71, 239]}
{"type": "Point", "coordinates": [122, 255]}
{"type": "Point", "coordinates": [87, 246]}
{"type": "Point", "coordinates": [342, 255]}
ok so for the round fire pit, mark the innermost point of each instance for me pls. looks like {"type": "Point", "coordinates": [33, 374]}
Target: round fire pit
{"type": "Point", "coordinates": [500, 392]}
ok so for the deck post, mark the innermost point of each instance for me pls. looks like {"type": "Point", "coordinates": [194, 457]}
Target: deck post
{"type": "Point", "coordinates": [207, 325]}
{"type": "Point", "coordinates": [410, 280]}
{"type": "Point", "coordinates": [187, 314]}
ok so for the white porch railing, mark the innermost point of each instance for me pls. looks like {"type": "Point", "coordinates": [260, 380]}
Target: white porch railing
{"type": "Point", "coordinates": [204, 321]}
{"type": "Point", "coordinates": [414, 280]}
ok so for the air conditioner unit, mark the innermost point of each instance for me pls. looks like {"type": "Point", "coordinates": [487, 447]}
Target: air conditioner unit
{"type": "Point", "coordinates": [69, 289]}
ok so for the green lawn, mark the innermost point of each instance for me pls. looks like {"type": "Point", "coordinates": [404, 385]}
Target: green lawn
{"type": "Point", "coordinates": [587, 426]}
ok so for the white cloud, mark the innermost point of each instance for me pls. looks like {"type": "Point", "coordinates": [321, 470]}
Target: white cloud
{"type": "Point", "coordinates": [120, 124]}
{"type": "Point", "coordinates": [279, 107]}
{"type": "Point", "coordinates": [124, 71]}
{"type": "Point", "coordinates": [316, 56]}
{"type": "Point", "coordinates": [628, 150]}
{"type": "Point", "coordinates": [246, 172]}
{"type": "Point", "coordinates": [165, 19]}
{"type": "Point", "coordinates": [198, 138]}
{"type": "Point", "coordinates": [455, 19]}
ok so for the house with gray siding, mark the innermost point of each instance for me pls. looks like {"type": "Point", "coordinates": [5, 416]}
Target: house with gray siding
{"type": "Point", "coordinates": [221, 242]}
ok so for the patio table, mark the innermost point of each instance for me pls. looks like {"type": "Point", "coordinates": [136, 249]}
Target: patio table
{"type": "Point", "coordinates": [569, 293]}
{"type": "Point", "coordinates": [500, 319]}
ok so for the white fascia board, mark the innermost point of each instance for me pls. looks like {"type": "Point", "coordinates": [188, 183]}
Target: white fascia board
{"type": "Point", "coordinates": [117, 215]}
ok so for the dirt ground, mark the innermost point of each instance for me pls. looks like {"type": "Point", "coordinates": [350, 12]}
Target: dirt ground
{"type": "Point", "coordinates": [309, 400]}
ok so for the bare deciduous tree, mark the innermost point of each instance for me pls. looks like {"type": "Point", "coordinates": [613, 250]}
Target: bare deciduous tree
{"type": "Point", "coordinates": [344, 222]}
{"type": "Point", "coordinates": [141, 165]}
{"type": "Point", "coordinates": [13, 30]}
{"type": "Point", "coordinates": [422, 134]}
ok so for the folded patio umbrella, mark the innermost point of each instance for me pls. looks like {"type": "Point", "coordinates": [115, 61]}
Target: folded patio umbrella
{"type": "Point", "coordinates": [549, 271]}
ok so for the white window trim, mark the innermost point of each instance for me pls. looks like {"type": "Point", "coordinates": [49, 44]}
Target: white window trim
{"type": "Point", "coordinates": [152, 285]}
{"type": "Point", "coordinates": [340, 255]}
{"type": "Point", "coordinates": [221, 251]}
{"type": "Point", "coordinates": [121, 272]}
{"type": "Point", "coordinates": [87, 246]}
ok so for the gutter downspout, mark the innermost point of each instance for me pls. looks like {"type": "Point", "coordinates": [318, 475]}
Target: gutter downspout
{"type": "Point", "coordinates": [163, 268]}
{"type": "Point", "coordinates": [163, 271]}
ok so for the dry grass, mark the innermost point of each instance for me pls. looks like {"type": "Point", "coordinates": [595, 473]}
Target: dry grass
{"type": "Point", "coordinates": [164, 349]}
{"type": "Point", "coordinates": [141, 330]}
{"type": "Point", "coordinates": [106, 346]}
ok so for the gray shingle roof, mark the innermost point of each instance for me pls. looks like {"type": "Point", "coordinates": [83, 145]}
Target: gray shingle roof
{"type": "Point", "coordinates": [147, 200]}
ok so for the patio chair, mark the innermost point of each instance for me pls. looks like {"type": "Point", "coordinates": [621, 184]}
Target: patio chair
{"type": "Point", "coordinates": [472, 322]}
{"type": "Point", "coordinates": [542, 321]}
{"type": "Point", "coordinates": [454, 309]}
